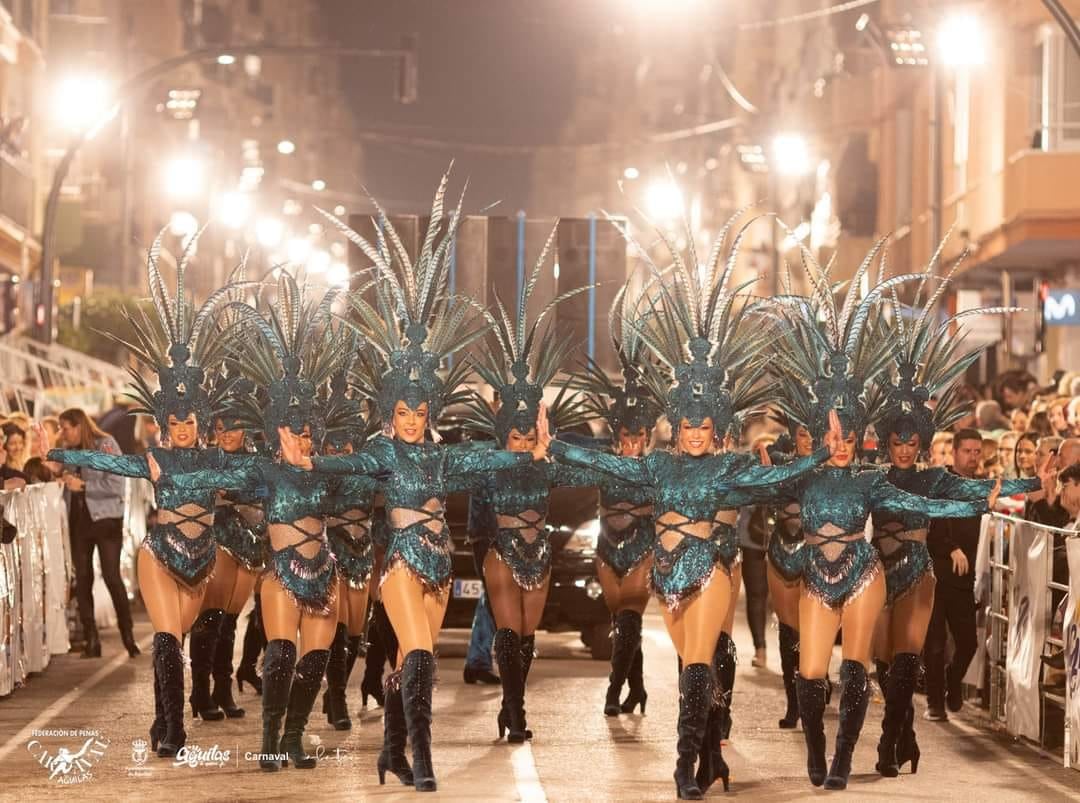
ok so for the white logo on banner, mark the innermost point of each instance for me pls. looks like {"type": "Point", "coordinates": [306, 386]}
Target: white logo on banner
{"type": "Point", "coordinates": [1072, 650]}
{"type": "Point", "coordinates": [1030, 573]}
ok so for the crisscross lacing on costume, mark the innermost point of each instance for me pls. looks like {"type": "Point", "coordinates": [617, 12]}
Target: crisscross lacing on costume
{"type": "Point", "coordinates": [891, 536]}
{"type": "Point", "coordinates": [178, 518]}
{"type": "Point", "coordinates": [526, 525]}
{"type": "Point", "coordinates": [621, 519]}
{"type": "Point", "coordinates": [355, 522]}
{"type": "Point", "coordinates": [833, 540]}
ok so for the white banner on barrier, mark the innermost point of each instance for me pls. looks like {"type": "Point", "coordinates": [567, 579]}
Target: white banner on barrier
{"type": "Point", "coordinates": [1072, 651]}
{"type": "Point", "coordinates": [1029, 560]}
{"type": "Point", "coordinates": [977, 668]}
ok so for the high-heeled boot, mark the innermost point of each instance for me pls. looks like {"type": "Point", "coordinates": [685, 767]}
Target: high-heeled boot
{"type": "Point", "coordinates": [157, 727]}
{"type": "Point", "coordinates": [637, 695]}
{"type": "Point", "coordinates": [625, 641]}
{"type": "Point", "coordinates": [417, 681]}
{"type": "Point", "coordinates": [711, 764]}
{"type": "Point", "coordinates": [896, 723]}
{"type": "Point", "coordinates": [724, 660]}
{"type": "Point", "coordinates": [854, 697]}
{"type": "Point", "coordinates": [334, 705]}
{"type": "Point", "coordinates": [380, 633]}
{"type": "Point", "coordinates": [169, 665]}
{"type": "Point", "coordinates": [92, 646]}
{"type": "Point", "coordinates": [203, 640]}
{"type": "Point", "coordinates": [789, 666]}
{"type": "Point", "coordinates": [305, 688]}
{"type": "Point", "coordinates": [222, 670]}
{"type": "Point", "coordinates": [127, 631]}
{"type": "Point", "coordinates": [811, 710]}
{"type": "Point", "coordinates": [392, 757]}
{"type": "Point", "coordinates": [507, 649]}
{"type": "Point", "coordinates": [907, 748]}
{"type": "Point", "coordinates": [254, 643]}
{"type": "Point", "coordinates": [278, 666]}
{"type": "Point", "coordinates": [881, 668]}
{"type": "Point", "coordinates": [695, 700]}
{"type": "Point", "coordinates": [528, 652]}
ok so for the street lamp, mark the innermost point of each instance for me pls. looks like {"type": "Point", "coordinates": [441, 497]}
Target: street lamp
{"type": "Point", "coordinates": [318, 185]}
{"type": "Point", "coordinates": [790, 155]}
{"type": "Point", "coordinates": [319, 262]}
{"type": "Point", "coordinates": [338, 274]}
{"type": "Point", "coordinates": [234, 209]}
{"type": "Point", "coordinates": [269, 231]}
{"type": "Point", "coordinates": [961, 41]}
{"type": "Point", "coordinates": [663, 200]}
{"type": "Point", "coordinates": [631, 173]}
{"type": "Point", "coordinates": [183, 177]}
{"type": "Point", "coordinates": [298, 249]}
{"type": "Point", "coordinates": [286, 147]}
{"type": "Point", "coordinates": [78, 101]}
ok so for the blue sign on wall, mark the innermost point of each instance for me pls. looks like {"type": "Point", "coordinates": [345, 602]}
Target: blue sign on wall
{"type": "Point", "coordinates": [1062, 308]}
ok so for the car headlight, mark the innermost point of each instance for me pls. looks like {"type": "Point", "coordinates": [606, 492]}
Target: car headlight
{"type": "Point", "coordinates": [584, 538]}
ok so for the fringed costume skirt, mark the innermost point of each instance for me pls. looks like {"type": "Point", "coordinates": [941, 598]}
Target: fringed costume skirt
{"type": "Point", "coordinates": [529, 563]}
{"type": "Point", "coordinates": [246, 543]}
{"type": "Point", "coordinates": [189, 560]}
{"type": "Point", "coordinates": [624, 551]}
{"type": "Point", "coordinates": [355, 556]}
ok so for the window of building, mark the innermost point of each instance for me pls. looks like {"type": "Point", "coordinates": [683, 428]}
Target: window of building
{"type": "Point", "coordinates": [1056, 95]}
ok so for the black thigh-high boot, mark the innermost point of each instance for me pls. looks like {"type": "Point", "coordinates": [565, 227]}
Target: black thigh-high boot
{"type": "Point", "coordinates": [882, 670]}
{"type": "Point", "coordinates": [278, 665]}
{"type": "Point", "coordinates": [305, 688]}
{"type": "Point", "coordinates": [636, 681]}
{"type": "Point", "coordinates": [334, 705]}
{"type": "Point", "coordinates": [507, 649]}
{"type": "Point", "coordinates": [204, 638]}
{"type": "Point", "coordinates": [392, 756]}
{"type": "Point", "coordinates": [528, 652]}
{"type": "Point", "coordinates": [625, 642]}
{"type": "Point", "coordinates": [381, 639]}
{"type": "Point", "coordinates": [789, 666]}
{"type": "Point", "coordinates": [712, 765]}
{"type": "Point", "coordinates": [223, 668]}
{"type": "Point", "coordinates": [896, 723]}
{"type": "Point", "coordinates": [157, 728]}
{"type": "Point", "coordinates": [724, 660]}
{"type": "Point", "coordinates": [812, 695]}
{"type": "Point", "coordinates": [169, 664]}
{"type": "Point", "coordinates": [254, 643]}
{"type": "Point", "coordinates": [417, 680]}
{"type": "Point", "coordinates": [695, 700]}
{"type": "Point", "coordinates": [854, 697]}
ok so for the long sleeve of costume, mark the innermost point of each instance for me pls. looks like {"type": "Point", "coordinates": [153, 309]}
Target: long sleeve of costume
{"type": "Point", "coordinates": [375, 458]}
{"type": "Point", "coordinates": [754, 483]}
{"type": "Point", "coordinates": [633, 470]}
{"type": "Point", "coordinates": [565, 476]}
{"type": "Point", "coordinates": [465, 459]}
{"type": "Point", "coordinates": [887, 497]}
{"type": "Point", "coordinates": [235, 475]}
{"type": "Point", "coordinates": [126, 465]}
{"type": "Point", "coordinates": [953, 486]}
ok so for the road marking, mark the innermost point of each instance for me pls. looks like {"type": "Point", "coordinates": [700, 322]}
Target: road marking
{"type": "Point", "coordinates": [19, 739]}
{"type": "Point", "coordinates": [1034, 774]}
{"type": "Point", "coordinates": [526, 778]}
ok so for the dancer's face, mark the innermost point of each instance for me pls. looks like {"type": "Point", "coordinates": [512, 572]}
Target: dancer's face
{"type": "Point", "coordinates": [305, 439]}
{"type": "Point", "coordinates": [409, 424]}
{"type": "Point", "coordinates": [330, 451]}
{"type": "Point", "coordinates": [902, 453]}
{"type": "Point", "coordinates": [230, 440]}
{"type": "Point", "coordinates": [517, 441]}
{"type": "Point", "coordinates": [183, 432]}
{"type": "Point", "coordinates": [845, 451]}
{"type": "Point", "coordinates": [804, 442]}
{"type": "Point", "coordinates": [632, 444]}
{"type": "Point", "coordinates": [696, 441]}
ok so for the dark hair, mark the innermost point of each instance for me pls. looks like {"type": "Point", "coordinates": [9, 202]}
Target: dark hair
{"type": "Point", "coordinates": [90, 433]}
{"type": "Point", "coordinates": [1040, 422]}
{"type": "Point", "coordinates": [1027, 436]}
{"type": "Point", "coordinates": [11, 428]}
{"type": "Point", "coordinates": [36, 471]}
{"type": "Point", "coordinates": [1070, 474]}
{"type": "Point", "coordinates": [967, 435]}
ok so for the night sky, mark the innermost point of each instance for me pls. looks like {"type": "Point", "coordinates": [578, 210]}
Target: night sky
{"type": "Point", "coordinates": [489, 72]}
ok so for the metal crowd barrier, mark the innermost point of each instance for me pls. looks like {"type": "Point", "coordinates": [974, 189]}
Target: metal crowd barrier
{"type": "Point", "coordinates": [36, 573]}
{"type": "Point", "coordinates": [1024, 598]}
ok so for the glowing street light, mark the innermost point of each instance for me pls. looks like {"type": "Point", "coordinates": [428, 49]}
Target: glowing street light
{"type": "Point", "coordinates": [79, 101]}
{"type": "Point", "coordinates": [962, 40]}
{"type": "Point", "coordinates": [234, 209]}
{"type": "Point", "coordinates": [319, 262]}
{"type": "Point", "coordinates": [286, 147]}
{"type": "Point", "coordinates": [663, 200]}
{"type": "Point", "coordinates": [338, 274]}
{"type": "Point", "coordinates": [183, 224]}
{"type": "Point", "coordinates": [298, 249]}
{"type": "Point", "coordinates": [269, 231]}
{"type": "Point", "coordinates": [631, 173]}
{"type": "Point", "coordinates": [791, 155]}
{"type": "Point", "coordinates": [225, 59]}
{"type": "Point", "coordinates": [183, 177]}
{"type": "Point", "coordinates": [318, 185]}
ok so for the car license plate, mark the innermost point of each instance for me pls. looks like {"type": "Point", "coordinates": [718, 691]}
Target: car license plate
{"type": "Point", "coordinates": [468, 589]}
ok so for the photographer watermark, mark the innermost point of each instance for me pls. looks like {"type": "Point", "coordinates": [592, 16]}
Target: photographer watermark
{"type": "Point", "coordinates": [70, 754]}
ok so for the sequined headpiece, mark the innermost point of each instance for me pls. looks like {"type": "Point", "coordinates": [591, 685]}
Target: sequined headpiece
{"type": "Point", "coordinates": [519, 367]}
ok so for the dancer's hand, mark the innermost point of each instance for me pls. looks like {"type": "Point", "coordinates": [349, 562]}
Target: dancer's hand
{"type": "Point", "coordinates": [763, 453]}
{"type": "Point", "coordinates": [991, 500]}
{"type": "Point", "coordinates": [543, 434]}
{"type": "Point", "coordinates": [291, 452]}
{"type": "Point", "coordinates": [834, 438]}
{"type": "Point", "coordinates": [155, 469]}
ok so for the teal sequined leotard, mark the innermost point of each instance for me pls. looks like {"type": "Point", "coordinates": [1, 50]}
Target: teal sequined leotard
{"type": "Point", "coordinates": [188, 558]}
{"type": "Point", "coordinates": [900, 537]}
{"type": "Point", "coordinates": [840, 563]}
{"type": "Point", "coordinates": [239, 524]}
{"type": "Point", "coordinates": [415, 480]}
{"type": "Point", "coordinates": [349, 528]}
{"type": "Point", "coordinates": [517, 499]}
{"type": "Point", "coordinates": [697, 489]}
{"type": "Point", "coordinates": [292, 495]}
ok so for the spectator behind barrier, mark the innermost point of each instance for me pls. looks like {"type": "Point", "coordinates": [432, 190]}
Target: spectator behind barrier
{"type": "Point", "coordinates": [1073, 416]}
{"type": "Point", "coordinates": [1056, 412]}
{"type": "Point", "coordinates": [1015, 389]}
{"type": "Point", "coordinates": [1069, 480]}
{"type": "Point", "coordinates": [941, 449]}
{"type": "Point", "coordinates": [16, 445]}
{"type": "Point", "coordinates": [1007, 454]}
{"type": "Point", "coordinates": [1019, 420]}
{"type": "Point", "coordinates": [37, 471]}
{"type": "Point", "coordinates": [969, 397]}
{"type": "Point", "coordinates": [988, 416]}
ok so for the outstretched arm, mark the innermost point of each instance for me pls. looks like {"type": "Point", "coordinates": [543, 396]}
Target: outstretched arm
{"type": "Point", "coordinates": [375, 458]}
{"type": "Point", "coordinates": [633, 470]}
{"type": "Point", "coordinates": [757, 484]}
{"type": "Point", "coordinates": [126, 465]}
{"type": "Point", "coordinates": [952, 486]}
{"type": "Point", "coordinates": [463, 459]}
{"type": "Point", "coordinates": [236, 473]}
{"type": "Point", "coordinates": [888, 498]}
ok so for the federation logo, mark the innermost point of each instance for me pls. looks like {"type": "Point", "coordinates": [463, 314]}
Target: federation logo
{"type": "Point", "coordinates": [68, 763]}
